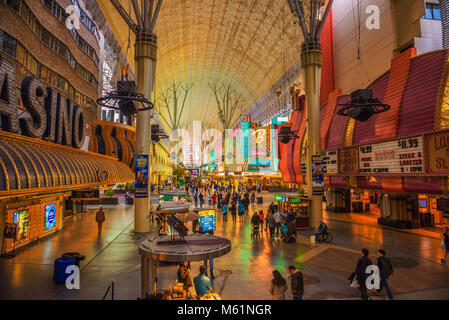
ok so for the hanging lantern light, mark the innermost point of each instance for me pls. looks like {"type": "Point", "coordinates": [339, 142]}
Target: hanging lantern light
{"type": "Point", "coordinates": [157, 133]}
{"type": "Point", "coordinates": [362, 105]}
{"type": "Point", "coordinates": [286, 134]}
{"type": "Point", "coordinates": [126, 98]}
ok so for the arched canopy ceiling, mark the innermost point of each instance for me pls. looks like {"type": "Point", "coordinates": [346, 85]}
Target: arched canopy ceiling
{"type": "Point", "coordinates": [248, 43]}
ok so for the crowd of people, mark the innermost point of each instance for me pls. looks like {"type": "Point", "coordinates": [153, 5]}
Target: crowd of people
{"type": "Point", "coordinates": [236, 200]}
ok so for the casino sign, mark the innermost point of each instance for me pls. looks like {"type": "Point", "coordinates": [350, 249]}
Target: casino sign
{"type": "Point", "coordinates": [53, 117]}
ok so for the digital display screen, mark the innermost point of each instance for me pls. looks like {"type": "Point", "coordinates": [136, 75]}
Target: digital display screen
{"type": "Point", "coordinates": [295, 200]}
{"type": "Point", "coordinates": [423, 203]}
{"type": "Point", "coordinates": [443, 204]}
{"type": "Point", "coordinates": [278, 197]}
{"type": "Point", "coordinates": [50, 216]}
{"type": "Point", "coordinates": [207, 220]}
{"type": "Point", "coordinates": [22, 219]}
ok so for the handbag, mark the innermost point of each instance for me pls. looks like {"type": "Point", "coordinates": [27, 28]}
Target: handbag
{"type": "Point", "coordinates": [355, 283]}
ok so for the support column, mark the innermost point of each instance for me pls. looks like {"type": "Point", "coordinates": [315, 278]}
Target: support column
{"type": "Point", "coordinates": [145, 64]}
{"type": "Point", "coordinates": [311, 65]}
{"type": "Point", "coordinates": [143, 276]}
{"type": "Point", "coordinates": [152, 288]}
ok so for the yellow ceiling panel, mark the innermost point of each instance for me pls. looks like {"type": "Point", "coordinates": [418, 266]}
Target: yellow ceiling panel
{"type": "Point", "coordinates": [248, 43]}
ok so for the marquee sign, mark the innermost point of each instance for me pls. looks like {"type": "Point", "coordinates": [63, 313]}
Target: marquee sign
{"type": "Point", "coordinates": [401, 156]}
{"type": "Point", "coordinates": [437, 153]}
{"type": "Point", "coordinates": [52, 116]}
{"type": "Point", "coordinates": [330, 162]}
{"type": "Point", "coordinates": [348, 162]}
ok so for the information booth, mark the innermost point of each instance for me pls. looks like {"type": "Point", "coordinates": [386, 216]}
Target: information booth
{"type": "Point", "coordinates": [300, 206]}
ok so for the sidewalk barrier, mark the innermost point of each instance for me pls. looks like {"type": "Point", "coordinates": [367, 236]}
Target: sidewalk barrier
{"type": "Point", "coordinates": [112, 288]}
{"type": "Point", "coordinates": [61, 264]}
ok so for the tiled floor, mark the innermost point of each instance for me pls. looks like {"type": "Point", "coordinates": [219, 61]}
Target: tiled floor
{"type": "Point", "coordinates": [244, 273]}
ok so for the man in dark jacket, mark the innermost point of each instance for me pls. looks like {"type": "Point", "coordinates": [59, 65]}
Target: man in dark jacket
{"type": "Point", "coordinates": [360, 272]}
{"type": "Point", "coordinates": [297, 283]}
{"type": "Point", "coordinates": [385, 271]}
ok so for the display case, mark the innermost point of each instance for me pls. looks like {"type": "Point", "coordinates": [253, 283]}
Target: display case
{"type": "Point", "coordinates": [300, 206]}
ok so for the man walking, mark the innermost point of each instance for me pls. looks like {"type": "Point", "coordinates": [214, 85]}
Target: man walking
{"type": "Point", "coordinates": [277, 221]}
{"type": "Point", "coordinates": [385, 271]}
{"type": "Point", "coordinates": [99, 217]}
{"type": "Point", "coordinates": [297, 283]}
{"type": "Point", "coordinates": [360, 273]}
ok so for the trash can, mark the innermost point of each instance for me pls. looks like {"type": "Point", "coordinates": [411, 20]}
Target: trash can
{"type": "Point", "coordinates": [61, 264]}
{"type": "Point", "coordinates": [259, 200]}
{"type": "Point", "coordinates": [75, 255]}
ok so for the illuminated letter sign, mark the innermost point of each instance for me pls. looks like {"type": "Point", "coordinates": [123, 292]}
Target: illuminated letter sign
{"type": "Point", "coordinates": [53, 117]}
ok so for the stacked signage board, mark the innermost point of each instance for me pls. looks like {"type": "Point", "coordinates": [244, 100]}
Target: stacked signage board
{"type": "Point", "coordinates": [426, 154]}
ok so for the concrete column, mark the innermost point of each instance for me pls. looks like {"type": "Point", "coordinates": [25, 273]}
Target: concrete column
{"type": "Point", "coordinates": [145, 63]}
{"type": "Point", "coordinates": [311, 64]}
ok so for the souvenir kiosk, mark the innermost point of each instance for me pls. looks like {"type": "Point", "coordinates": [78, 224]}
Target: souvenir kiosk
{"type": "Point", "coordinates": [299, 205]}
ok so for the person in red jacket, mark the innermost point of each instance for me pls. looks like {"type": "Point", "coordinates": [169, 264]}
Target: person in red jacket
{"type": "Point", "coordinates": [214, 199]}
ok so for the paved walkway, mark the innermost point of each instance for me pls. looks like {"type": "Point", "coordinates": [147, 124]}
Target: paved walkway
{"type": "Point", "coordinates": [371, 220]}
{"type": "Point", "coordinates": [244, 273]}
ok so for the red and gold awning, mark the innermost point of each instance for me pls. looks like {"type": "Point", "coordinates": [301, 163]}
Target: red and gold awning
{"type": "Point", "coordinates": [32, 166]}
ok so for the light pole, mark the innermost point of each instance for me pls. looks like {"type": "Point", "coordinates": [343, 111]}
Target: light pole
{"type": "Point", "coordinates": [145, 64]}
{"type": "Point", "coordinates": [311, 64]}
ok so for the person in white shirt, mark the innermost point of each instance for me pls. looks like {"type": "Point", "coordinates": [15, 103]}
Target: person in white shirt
{"type": "Point", "coordinates": [277, 220]}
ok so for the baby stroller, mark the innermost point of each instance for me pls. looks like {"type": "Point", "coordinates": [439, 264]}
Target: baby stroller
{"type": "Point", "coordinates": [255, 233]}
{"type": "Point", "coordinates": [290, 235]}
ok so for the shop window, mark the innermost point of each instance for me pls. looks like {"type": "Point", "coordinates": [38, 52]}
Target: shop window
{"type": "Point", "coordinates": [14, 4]}
{"type": "Point", "coordinates": [25, 13]}
{"type": "Point", "coordinates": [45, 36]}
{"type": "Point", "coordinates": [8, 44]}
{"type": "Point", "coordinates": [21, 54]}
{"type": "Point", "coordinates": [48, 4]}
{"type": "Point", "coordinates": [433, 11]}
{"type": "Point", "coordinates": [33, 65]}
{"type": "Point", "coordinates": [43, 73]}
{"type": "Point", "coordinates": [62, 50]}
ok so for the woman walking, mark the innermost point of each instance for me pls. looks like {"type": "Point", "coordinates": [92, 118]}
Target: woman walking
{"type": "Point", "coordinates": [278, 286]}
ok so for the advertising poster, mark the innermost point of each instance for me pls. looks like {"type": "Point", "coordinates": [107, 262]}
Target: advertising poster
{"type": "Point", "coordinates": [50, 214]}
{"type": "Point", "coordinates": [22, 219]}
{"type": "Point", "coordinates": [317, 175]}
{"type": "Point", "coordinates": [207, 220]}
{"type": "Point", "coordinates": [141, 184]}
